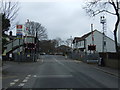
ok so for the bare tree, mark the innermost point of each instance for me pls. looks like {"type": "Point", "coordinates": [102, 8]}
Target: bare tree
{"type": "Point", "coordinates": [10, 10]}
{"type": "Point", "coordinates": [68, 42]}
{"type": "Point", "coordinates": [42, 34]}
{"type": "Point", "coordinates": [36, 29]}
{"type": "Point", "coordinates": [96, 7]}
{"type": "Point", "coordinates": [59, 40]}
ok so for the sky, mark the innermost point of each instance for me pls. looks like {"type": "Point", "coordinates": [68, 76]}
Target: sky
{"type": "Point", "coordinates": [62, 18]}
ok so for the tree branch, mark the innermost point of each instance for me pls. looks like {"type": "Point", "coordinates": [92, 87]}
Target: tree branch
{"type": "Point", "coordinates": [97, 12]}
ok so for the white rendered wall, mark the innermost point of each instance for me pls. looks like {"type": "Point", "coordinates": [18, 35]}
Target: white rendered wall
{"type": "Point", "coordinates": [98, 41]}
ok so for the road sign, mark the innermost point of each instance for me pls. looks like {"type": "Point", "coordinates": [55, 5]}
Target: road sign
{"type": "Point", "coordinates": [19, 29]}
{"type": "Point", "coordinates": [91, 47]}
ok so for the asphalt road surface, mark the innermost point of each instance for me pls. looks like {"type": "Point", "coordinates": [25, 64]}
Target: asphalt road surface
{"type": "Point", "coordinates": [54, 71]}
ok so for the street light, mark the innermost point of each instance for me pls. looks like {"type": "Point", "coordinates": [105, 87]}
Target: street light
{"type": "Point", "coordinates": [103, 22]}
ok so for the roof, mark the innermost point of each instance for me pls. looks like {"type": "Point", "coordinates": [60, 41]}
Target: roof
{"type": "Point", "coordinates": [83, 37]}
{"type": "Point", "coordinates": [86, 35]}
{"type": "Point", "coordinates": [63, 46]}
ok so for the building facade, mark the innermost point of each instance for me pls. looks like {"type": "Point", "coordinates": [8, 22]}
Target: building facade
{"type": "Point", "coordinates": [94, 38]}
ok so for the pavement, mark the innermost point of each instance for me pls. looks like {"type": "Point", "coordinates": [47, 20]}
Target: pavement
{"type": "Point", "coordinates": [7, 64]}
{"type": "Point", "coordinates": [109, 70]}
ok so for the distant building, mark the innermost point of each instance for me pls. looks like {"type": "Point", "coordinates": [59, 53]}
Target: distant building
{"type": "Point", "coordinates": [96, 38]}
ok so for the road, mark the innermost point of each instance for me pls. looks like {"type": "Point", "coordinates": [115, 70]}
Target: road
{"type": "Point", "coordinates": [54, 71]}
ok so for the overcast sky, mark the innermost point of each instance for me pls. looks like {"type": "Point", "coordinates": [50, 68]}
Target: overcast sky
{"type": "Point", "coordinates": [62, 19]}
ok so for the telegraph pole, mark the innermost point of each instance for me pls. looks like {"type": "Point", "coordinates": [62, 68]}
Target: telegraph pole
{"type": "Point", "coordinates": [71, 40]}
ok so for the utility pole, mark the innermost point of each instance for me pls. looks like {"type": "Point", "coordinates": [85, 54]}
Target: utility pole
{"type": "Point", "coordinates": [103, 22]}
{"type": "Point", "coordinates": [71, 40]}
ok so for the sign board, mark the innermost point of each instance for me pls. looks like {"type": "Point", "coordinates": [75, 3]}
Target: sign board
{"type": "Point", "coordinates": [19, 29]}
{"type": "Point", "coordinates": [91, 47]}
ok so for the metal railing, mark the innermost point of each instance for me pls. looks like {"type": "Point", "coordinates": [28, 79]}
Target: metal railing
{"type": "Point", "coordinates": [14, 44]}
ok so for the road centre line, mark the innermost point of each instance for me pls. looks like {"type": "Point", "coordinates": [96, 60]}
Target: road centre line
{"type": "Point", "coordinates": [55, 76]}
{"type": "Point", "coordinates": [58, 62]}
{"type": "Point", "coordinates": [62, 64]}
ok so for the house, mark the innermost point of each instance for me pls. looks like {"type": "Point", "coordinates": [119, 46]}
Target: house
{"type": "Point", "coordinates": [63, 49]}
{"type": "Point", "coordinates": [94, 38]}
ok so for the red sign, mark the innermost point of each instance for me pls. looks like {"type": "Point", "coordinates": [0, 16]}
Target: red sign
{"type": "Point", "coordinates": [19, 26]}
{"type": "Point", "coordinates": [19, 29]}
{"type": "Point", "coordinates": [91, 47]}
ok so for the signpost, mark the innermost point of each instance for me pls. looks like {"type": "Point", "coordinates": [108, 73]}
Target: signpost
{"type": "Point", "coordinates": [19, 34]}
{"type": "Point", "coordinates": [19, 29]}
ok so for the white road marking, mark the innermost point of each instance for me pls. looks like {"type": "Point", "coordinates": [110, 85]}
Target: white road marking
{"type": "Point", "coordinates": [62, 64]}
{"type": "Point", "coordinates": [11, 84]}
{"type": "Point", "coordinates": [35, 76]}
{"type": "Point", "coordinates": [28, 75]}
{"type": "Point", "coordinates": [77, 61]}
{"type": "Point", "coordinates": [55, 76]}
{"type": "Point", "coordinates": [59, 62]}
{"type": "Point", "coordinates": [24, 80]}
{"type": "Point", "coordinates": [21, 84]}
{"type": "Point", "coordinates": [16, 80]}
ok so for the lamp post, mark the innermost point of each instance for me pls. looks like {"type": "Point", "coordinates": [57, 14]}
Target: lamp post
{"type": "Point", "coordinates": [103, 22]}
